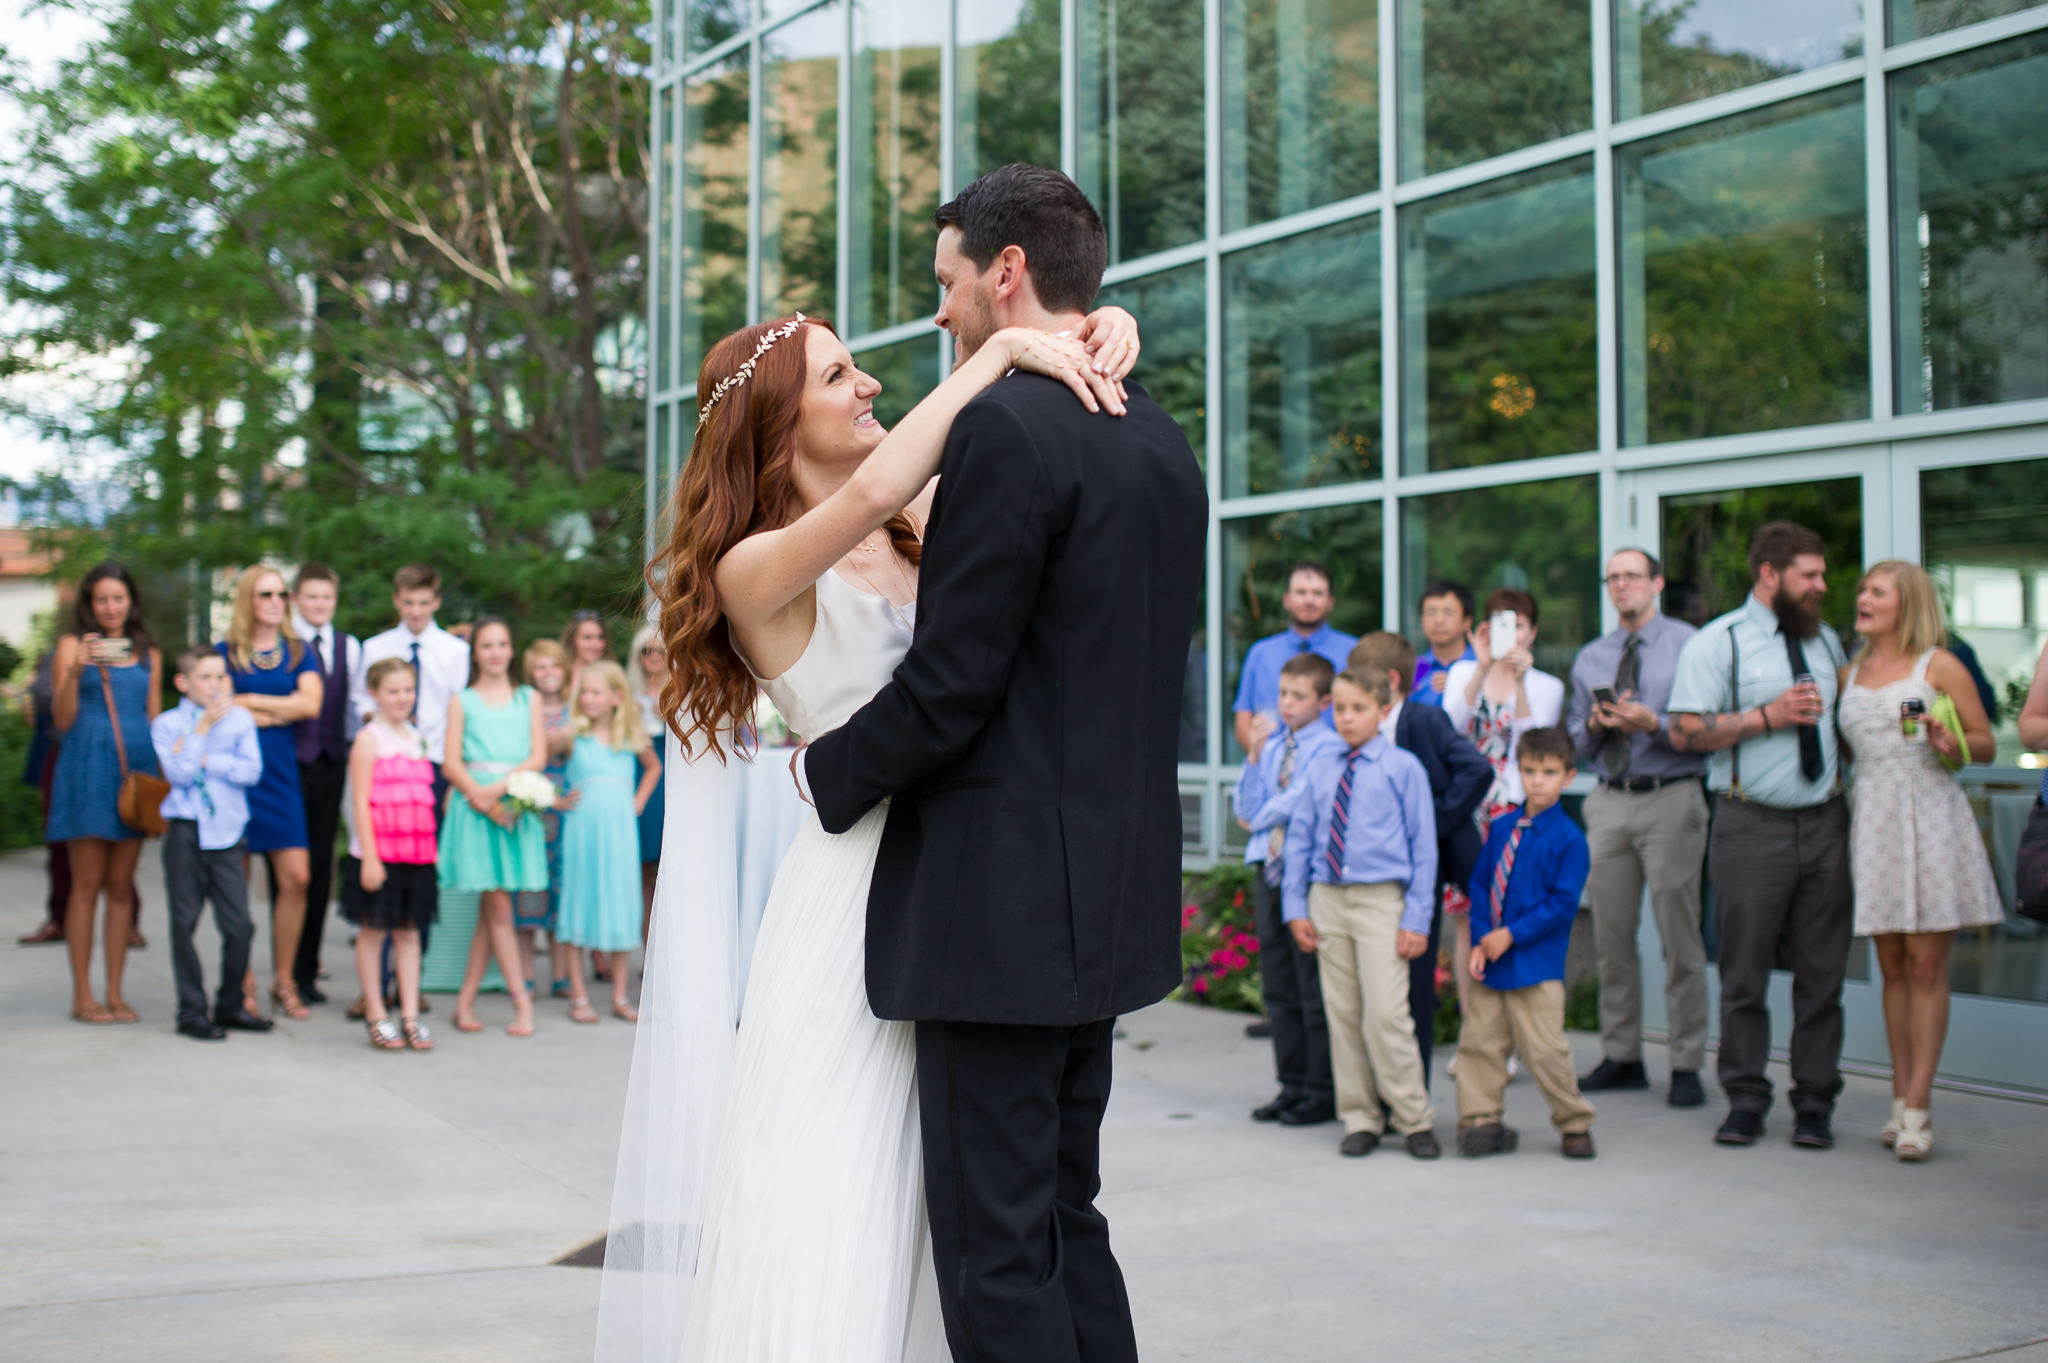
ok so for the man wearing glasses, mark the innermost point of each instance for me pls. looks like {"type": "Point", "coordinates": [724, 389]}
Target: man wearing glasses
{"type": "Point", "coordinates": [1647, 824]}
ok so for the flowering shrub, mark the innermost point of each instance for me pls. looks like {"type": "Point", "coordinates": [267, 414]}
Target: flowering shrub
{"type": "Point", "coordinates": [1219, 941]}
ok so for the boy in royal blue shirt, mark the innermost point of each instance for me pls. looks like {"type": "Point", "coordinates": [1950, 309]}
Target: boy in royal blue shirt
{"type": "Point", "coordinates": [1288, 980]}
{"type": "Point", "coordinates": [1525, 895]}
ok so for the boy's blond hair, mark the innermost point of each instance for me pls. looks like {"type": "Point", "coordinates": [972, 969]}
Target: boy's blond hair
{"type": "Point", "coordinates": [627, 734]}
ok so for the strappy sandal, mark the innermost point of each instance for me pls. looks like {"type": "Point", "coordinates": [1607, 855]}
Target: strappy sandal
{"type": "Point", "coordinates": [384, 1034]}
{"type": "Point", "coordinates": [516, 1028]}
{"type": "Point", "coordinates": [121, 1012]}
{"type": "Point", "coordinates": [581, 1011]}
{"type": "Point", "coordinates": [624, 1011]}
{"type": "Point", "coordinates": [287, 1001]}
{"type": "Point", "coordinates": [94, 1015]}
{"type": "Point", "coordinates": [416, 1034]}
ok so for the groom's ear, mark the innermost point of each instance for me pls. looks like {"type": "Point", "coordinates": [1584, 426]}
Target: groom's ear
{"type": "Point", "coordinates": [1010, 276]}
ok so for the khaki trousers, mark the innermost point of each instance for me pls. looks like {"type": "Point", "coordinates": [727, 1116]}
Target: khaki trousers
{"type": "Point", "coordinates": [1658, 838]}
{"type": "Point", "coordinates": [1528, 1022]}
{"type": "Point", "coordinates": [1365, 995]}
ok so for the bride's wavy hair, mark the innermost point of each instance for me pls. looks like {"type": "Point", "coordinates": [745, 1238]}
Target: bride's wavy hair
{"type": "Point", "coordinates": [739, 481]}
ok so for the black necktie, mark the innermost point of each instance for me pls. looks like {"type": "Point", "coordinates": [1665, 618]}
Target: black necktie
{"type": "Point", "coordinates": [1617, 749]}
{"type": "Point", "coordinates": [1810, 764]}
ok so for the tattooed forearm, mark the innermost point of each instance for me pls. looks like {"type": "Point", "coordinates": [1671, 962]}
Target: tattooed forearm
{"type": "Point", "coordinates": [1711, 732]}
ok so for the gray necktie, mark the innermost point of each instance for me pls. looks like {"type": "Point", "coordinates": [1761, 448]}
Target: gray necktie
{"type": "Point", "coordinates": [1617, 749]}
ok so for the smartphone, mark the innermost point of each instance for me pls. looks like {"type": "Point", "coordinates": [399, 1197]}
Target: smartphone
{"type": "Point", "coordinates": [1500, 634]}
{"type": "Point", "coordinates": [1604, 695]}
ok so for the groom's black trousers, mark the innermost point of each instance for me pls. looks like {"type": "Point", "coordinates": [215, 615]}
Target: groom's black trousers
{"type": "Point", "coordinates": [1012, 1121]}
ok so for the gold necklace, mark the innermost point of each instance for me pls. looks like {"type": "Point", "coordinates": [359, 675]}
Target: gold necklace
{"type": "Point", "coordinates": [868, 545]}
{"type": "Point", "coordinates": [268, 659]}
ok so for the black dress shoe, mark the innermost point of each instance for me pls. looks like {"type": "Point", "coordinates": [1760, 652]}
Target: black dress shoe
{"type": "Point", "coordinates": [1359, 1143]}
{"type": "Point", "coordinates": [202, 1029]}
{"type": "Point", "coordinates": [1423, 1145]}
{"type": "Point", "coordinates": [311, 993]}
{"type": "Point", "coordinates": [1742, 1128]}
{"type": "Point", "coordinates": [1270, 1112]}
{"type": "Point", "coordinates": [1686, 1090]}
{"type": "Point", "coordinates": [1491, 1138]}
{"type": "Point", "coordinates": [1309, 1112]}
{"type": "Point", "coordinates": [242, 1020]}
{"type": "Point", "coordinates": [1614, 1074]}
{"type": "Point", "coordinates": [1814, 1131]}
{"type": "Point", "coordinates": [1258, 1031]}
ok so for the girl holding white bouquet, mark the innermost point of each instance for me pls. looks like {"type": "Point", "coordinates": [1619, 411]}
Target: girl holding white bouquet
{"type": "Point", "coordinates": [387, 879]}
{"type": "Point", "coordinates": [600, 837]}
{"type": "Point", "coordinates": [489, 843]}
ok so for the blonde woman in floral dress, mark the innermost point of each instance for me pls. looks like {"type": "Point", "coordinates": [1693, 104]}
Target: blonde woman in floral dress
{"type": "Point", "coordinates": [1919, 863]}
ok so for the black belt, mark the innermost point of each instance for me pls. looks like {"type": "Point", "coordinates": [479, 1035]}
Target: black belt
{"type": "Point", "coordinates": [1643, 785]}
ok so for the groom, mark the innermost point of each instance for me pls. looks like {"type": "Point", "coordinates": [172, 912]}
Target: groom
{"type": "Point", "coordinates": [1027, 889]}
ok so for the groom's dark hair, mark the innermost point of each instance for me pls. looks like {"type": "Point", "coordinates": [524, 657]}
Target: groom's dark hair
{"type": "Point", "coordinates": [1046, 215]}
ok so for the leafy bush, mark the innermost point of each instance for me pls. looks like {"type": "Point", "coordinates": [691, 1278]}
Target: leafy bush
{"type": "Point", "coordinates": [1219, 940]}
{"type": "Point", "coordinates": [21, 813]}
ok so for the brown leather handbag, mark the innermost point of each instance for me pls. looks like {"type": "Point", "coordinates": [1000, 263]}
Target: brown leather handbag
{"type": "Point", "coordinates": [141, 802]}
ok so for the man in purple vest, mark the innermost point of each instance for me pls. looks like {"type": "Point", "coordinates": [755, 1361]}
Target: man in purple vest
{"type": "Point", "coordinates": [323, 754]}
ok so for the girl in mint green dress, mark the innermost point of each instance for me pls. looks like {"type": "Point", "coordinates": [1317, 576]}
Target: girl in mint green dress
{"type": "Point", "coordinates": [487, 845]}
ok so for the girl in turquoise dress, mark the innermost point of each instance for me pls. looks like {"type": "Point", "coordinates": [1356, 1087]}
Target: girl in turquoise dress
{"type": "Point", "coordinates": [488, 845]}
{"type": "Point", "coordinates": [600, 908]}
{"type": "Point", "coordinates": [546, 666]}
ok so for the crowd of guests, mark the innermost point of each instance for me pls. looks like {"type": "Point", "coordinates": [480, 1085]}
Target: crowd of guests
{"type": "Point", "coordinates": [289, 733]}
{"type": "Point", "coordinates": [1396, 798]}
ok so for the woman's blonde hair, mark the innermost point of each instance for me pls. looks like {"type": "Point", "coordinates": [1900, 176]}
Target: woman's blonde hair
{"type": "Point", "coordinates": [636, 675]}
{"type": "Point", "coordinates": [242, 621]}
{"type": "Point", "coordinates": [1921, 624]}
{"type": "Point", "coordinates": [627, 732]}
{"type": "Point", "coordinates": [544, 648]}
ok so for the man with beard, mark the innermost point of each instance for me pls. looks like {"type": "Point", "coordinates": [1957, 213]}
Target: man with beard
{"type": "Point", "coordinates": [1307, 602]}
{"type": "Point", "coordinates": [1754, 690]}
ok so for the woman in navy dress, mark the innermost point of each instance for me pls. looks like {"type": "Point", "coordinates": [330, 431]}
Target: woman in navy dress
{"type": "Point", "coordinates": [277, 680]}
{"type": "Point", "coordinates": [107, 646]}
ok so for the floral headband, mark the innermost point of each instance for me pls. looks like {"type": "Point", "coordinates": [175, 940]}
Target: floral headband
{"type": "Point", "coordinates": [746, 371]}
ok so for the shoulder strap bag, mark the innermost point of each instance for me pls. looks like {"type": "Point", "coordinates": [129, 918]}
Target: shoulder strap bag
{"type": "Point", "coordinates": [141, 802]}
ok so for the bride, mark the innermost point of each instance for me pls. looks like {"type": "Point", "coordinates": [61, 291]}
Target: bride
{"type": "Point", "coordinates": [770, 1200]}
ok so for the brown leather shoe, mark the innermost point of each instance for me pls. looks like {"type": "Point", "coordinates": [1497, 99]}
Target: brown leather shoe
{"type": "Point", "coordinates": [1577, 1145]}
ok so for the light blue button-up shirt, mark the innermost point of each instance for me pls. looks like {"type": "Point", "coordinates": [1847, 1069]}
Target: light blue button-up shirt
{"type": "Point", "coordinates": [1258, 799]}
{"type": "Point", "coordinates": [1769, 762]}
{"type": "Point", "coordinates": [1258, 682]}
{"type": "Point", "coordinates": [209, 773]}
{"type": "Point", "coordinates": [1390, 829]}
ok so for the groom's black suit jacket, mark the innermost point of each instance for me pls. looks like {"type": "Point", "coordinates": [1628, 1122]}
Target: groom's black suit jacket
{"type": "Point", "coordinates": [1030, 869]}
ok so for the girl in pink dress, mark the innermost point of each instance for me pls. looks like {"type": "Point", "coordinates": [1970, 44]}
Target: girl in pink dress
{"type": "Point", "coordinates": [388, 882]}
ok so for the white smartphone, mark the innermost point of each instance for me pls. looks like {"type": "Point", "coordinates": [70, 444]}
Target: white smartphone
{"type": "Point", "coordinates": [1500, 634]}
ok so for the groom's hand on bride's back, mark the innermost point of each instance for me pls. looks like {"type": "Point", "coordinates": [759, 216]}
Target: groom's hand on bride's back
{"type": "Point", "coordinates": [796, 774]}
{"type": "Point", "coordinates": [1065, 359]}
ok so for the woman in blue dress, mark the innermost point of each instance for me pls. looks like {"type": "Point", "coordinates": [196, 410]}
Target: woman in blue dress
{"type": "Point", "coordinates": [277, 680]}
{"type": "Point", "coordinates": [107, 654]}
{"type": "Point", "coordinates": [612, 773]}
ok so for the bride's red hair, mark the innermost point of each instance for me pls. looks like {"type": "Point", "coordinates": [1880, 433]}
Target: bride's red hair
{"type": "Point", "coordinates": [740, 480]}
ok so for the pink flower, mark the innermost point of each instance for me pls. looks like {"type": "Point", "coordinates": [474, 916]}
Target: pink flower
{"type": "Point", "coordinates": [1188, 914]}
{"type": "Point", "coordinates": [1200, 985]}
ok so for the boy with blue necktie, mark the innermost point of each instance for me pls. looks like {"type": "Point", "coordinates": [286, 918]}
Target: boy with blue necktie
{"type": "Point", "coordinates": [1288, 980]}
{"type": "Point", "coordinates": [1359, 889]}
{"type": "Point", "coordinates": [1525, 896]}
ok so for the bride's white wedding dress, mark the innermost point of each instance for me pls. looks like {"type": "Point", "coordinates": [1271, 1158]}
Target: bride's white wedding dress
{"type": "Point", "coordinates": [814, 1242]}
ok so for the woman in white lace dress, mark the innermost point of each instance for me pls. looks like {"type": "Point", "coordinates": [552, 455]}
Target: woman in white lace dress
{"type": "Point", "coordinates": [1919, 862]}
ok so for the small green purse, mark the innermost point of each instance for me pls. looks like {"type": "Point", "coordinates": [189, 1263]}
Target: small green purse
{"type": "Point", "coordinates": [1944, 713]}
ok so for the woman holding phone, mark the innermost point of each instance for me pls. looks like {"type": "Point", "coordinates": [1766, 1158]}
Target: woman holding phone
{"type": "Point", "coordinates": [106, 667]}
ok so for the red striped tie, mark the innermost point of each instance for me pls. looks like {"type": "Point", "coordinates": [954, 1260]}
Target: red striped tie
{"type": "Point", "coordinates": [1340, 819]}
{"type": "Point", "coordinates": [1507, 864]}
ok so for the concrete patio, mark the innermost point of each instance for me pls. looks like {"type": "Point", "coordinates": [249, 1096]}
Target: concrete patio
{"type": "Point", "coordinates": [299, 1196]}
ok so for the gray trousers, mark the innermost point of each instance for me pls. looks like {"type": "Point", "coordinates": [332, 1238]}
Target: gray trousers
{"type": "Point", "coordinates": [1782, 876]}
{"type": "Point", "coordinates": [1655, 838]}
{"type": "Point", "coordinates": [192, 876]}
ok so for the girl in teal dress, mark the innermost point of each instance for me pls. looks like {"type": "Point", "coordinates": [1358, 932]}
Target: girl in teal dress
{"type": "Point", "coordinates": [600, 909]}
{"type": "Point", "coordinates": [488, 845]}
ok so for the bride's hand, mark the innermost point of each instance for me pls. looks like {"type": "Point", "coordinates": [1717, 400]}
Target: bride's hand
{"type": "Point", "coordinates": [1058, 357]}
{"type": "Point", "coordinates": [1111, 336]}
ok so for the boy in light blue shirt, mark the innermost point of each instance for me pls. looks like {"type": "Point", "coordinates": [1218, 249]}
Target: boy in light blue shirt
{"type": "Point", "coordinates": [207, 748]}
{"type": "Point", "coordinates": [1288, 977]}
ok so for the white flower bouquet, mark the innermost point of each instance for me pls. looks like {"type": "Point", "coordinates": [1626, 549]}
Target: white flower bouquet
{"type": "Point", "coordinates": [530, 792]}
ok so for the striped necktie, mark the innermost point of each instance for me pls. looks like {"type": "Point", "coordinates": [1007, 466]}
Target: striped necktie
{"type": "Point", "coordinates": [1506, 867]}
{"type": "Point", "coordinates": [1276, 843]}
{"type": "Point", "coordinates": [1340, 818]}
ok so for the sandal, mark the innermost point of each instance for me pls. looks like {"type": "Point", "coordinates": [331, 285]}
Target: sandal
{"type": "Point", "coordinates": [581, 1011]}
{"type": "Point", "coordinates": [384, 1034]}
{"type": "Point", "coordinates": [93, 1014]}
{"type": "Point", "coordinates": [121, 1012]}
{"type": "Point", "coordinates": [359, 1010]}
{"type": "Point", "coordinates": [516, 1027]}
{"type": "Point", "coordinates": [469, 1024]}
{"type": "Point", "coordinates": [416, 1034]}
{"type": "Point", "coordinates": [560, 988]}
{"type": "Point", "coordinates": [287, 1001]}
{"type": "Point", "coordinates": [624, 1012]}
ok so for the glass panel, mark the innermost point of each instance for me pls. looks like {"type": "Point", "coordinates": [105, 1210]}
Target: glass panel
{"type": "Point", "coordinates": [1258, 551]}
{"type": "Point", "coordinates": [1301, 327]}
{"type": "Point", "coordinates": [1484, 77]}
{"type": "Point", "coordinates": [1138, 101]}
{"type": "Point", "coordinates": [1541, 537]}
{"type": "Point", "coordinates": [1744, 269]}
{"type": "Point", "coordinates": [1301, 120]}
{"type": "Point", "coordinates": [2008, 960]}
{"type": "Point", "coordinates": [1676, 51]}
{"type": "Point", "coordinates": [1194, 686]}
{"type": "Point", "coordinates": [1007, 85]}
{"type": "Point", "coordinates": [895, 161]}
{"type": "Point", "coordinates": [1971, 186]}
{"type": "Point", "coordinates": [800, 164]}
{"type": "Point", "coordinates": [1984, 536]}
{"type": "Point", "coordinates": [907, 370]}
{"type": "Point", "coordinates": [1923, 18]}
{"type": "Point", "coordinates": [1705, 540]}
{"type": "Point", "coordinates": [707, 23]}
{"type": "Point", "coordinates": [662, 278]}
{"type": "Point", "coordinates": [713, 269]}
{"type": "Point", "coordinates": [1498, 321]}
{"type": "Point", "coordinates": [1172, 314]}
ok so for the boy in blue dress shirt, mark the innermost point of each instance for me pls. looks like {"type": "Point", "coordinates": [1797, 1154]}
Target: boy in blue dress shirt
{"type": "Point", "coordinates": [1289, 984]}
{"type": "Point", "coordinates": [207, 749]}
{"type": "Point", "coordinates": [1525, 896]}
{"type": "Point", "coordinates": [1359, 889]}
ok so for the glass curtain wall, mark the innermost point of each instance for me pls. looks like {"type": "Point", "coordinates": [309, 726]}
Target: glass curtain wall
{"type": "Point", "coordinates": [1428, 284]}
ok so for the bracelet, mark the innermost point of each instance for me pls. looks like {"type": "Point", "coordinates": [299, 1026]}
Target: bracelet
{"type": "Point", "coordinates": [1765, 716]}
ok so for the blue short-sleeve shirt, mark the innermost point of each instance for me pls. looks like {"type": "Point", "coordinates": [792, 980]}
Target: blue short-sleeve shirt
{"type": "Point", "coordinates": [1258, 684]}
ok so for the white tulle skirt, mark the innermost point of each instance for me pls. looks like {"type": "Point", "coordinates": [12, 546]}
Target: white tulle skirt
{"type": "Point", "coordinates": [816, 1244]}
